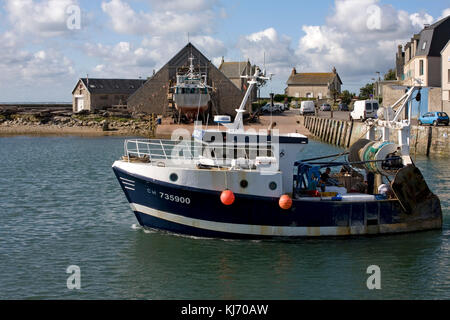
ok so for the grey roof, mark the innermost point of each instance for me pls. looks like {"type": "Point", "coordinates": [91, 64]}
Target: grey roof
{"type": "Point", "coordinates": [112, 86]}
{"type": "Point", "coordinates": [234, 69]}
{"type": "Point", "coordinates": [445, 47]}
{"type": "Point", "coordinates": [312, 78]}
{"type": "Point", "coordinates": [433, 38]}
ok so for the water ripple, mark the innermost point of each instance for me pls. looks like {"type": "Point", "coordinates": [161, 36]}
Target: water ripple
{"type": "Point", "coordinates": [61, 205]}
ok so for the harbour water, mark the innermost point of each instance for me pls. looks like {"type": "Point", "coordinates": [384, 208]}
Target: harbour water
{"type": "Point", "coordinates": [61, 205]}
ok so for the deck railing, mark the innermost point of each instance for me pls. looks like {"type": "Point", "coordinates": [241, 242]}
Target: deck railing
{"type": "Point", "coordinates": [169, 150]}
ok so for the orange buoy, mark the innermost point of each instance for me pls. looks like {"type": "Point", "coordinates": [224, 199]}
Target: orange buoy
{"type": "Point", "coordinates": [285, 202]}
{"type": "Point", "coordinates": [227, 197]}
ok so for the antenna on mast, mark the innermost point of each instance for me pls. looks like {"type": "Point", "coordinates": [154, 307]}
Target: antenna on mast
{"type": "Point", "coordinates": [264, 70]}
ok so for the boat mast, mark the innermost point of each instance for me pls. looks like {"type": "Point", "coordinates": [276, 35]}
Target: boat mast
{"type": "Point", "coordinates": [403, 126]}
{"type": "Point", "coordinates": [238, 124]}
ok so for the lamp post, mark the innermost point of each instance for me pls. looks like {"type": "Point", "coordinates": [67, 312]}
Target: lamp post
{"type": "Point", "coordinates": [373, 87]}
{"type": "Point", "coordinates": [378, 86]}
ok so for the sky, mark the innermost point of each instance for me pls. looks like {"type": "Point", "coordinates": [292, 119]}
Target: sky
{"type": "Point", "coordinates": [47, 45]}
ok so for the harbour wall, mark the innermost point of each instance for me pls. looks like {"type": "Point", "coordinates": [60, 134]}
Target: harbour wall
{"type": "Point", "coordinates": [425, 140]}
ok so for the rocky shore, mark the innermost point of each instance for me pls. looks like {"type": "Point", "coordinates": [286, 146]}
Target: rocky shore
{"type": "Point", "coordinates": [16, 121]}
{"type": "Point", "coordinates": [19, 121]}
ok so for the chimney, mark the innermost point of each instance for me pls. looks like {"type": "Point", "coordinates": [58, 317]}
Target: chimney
{"type": "Point", "coordinates": [87, 80]}
{"type": "Point", "coordinates": [334, 70]}
{"type": "Point", "coordinates": [294, 71]}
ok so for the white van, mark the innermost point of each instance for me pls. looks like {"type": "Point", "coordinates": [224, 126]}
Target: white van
{"type": "Point", "coordinates": [307, 107]}
{"type": "Point", "coordinates": [364, 109]}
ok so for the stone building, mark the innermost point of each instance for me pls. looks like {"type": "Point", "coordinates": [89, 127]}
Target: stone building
{"type": "Point", "coordinates": [234, 71]}
{"type": "Point", "coordinates": [445, 73]}
{"type": "Point", "coordinates": [422, 55]}
{"type": "Point", "coordinates": [93, 94]}
{"type": "Point", "coordinates": [319, 85]}
{"type": "Point", "coordinates": [421, 58]}
{"type": "Point", "coordinates": [155, 96]}
{"type": "Point", "coordinates": [391, 91]}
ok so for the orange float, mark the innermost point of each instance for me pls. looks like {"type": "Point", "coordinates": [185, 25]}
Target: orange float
{"type": "Point", "coordinates": [227, 197]}
{"type": "Point", "coordinates": [285, 202]}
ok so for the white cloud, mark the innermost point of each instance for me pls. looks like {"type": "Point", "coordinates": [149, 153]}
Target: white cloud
{"type": "Point", "coordinates": [419, 20]}
{"type": "Point", "coordinates": [19, 64]}
{"type": "Point", "coordinates": [267, 48]}
{"type": "Point", "coordinates": [183, 5]}
{"type": "Point", "coordinates": [166, 17]}
{"type": "Point", "coordinates": [122, 60]}
{"type": "Point", "coordinates": [45, 18]}
{"type": "Point", "coordinates": [360, 37]}
{"type": "Point", "coordinates": [22, 65]}
{"type": "Point", "coordinates": [125, 59]}
{"type": "Point", "coordinates": [268, 45]}
{"type": "Point", "coordinates": [209, 46]}
{"type": "Point", "coordinates": [445, 13]}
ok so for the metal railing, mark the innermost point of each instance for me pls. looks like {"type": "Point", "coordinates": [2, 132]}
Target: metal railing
{"type": "Point", "coordinates": [192, 150]}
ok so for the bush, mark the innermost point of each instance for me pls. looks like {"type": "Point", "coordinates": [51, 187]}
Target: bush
{"type": "Point", "coordinates": [281, 98]}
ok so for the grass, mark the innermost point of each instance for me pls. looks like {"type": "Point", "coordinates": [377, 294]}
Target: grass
{"type": "Point", "coordinates": [27, 117]}
{"type": "Point", "coordinates": [100, 119]}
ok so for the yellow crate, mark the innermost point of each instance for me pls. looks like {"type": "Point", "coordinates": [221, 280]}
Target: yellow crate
{"type": "Point", "coordinates": [328, 194]}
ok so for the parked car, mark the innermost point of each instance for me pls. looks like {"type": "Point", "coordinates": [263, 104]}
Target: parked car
{"type": "Point", "coordinates": [307, 107]}
{"type": "Point", "coordinates": [434, 118]}
{"type": "Point", "coordinates": [267, 108]}
{"type": "Point", "coordinates": [343, 107]}
{"type": "Point", "coordinates": [281, 106]}
{"type": "Point", "coordinates": [325, 107]}
{"type": "Point", "coordinates": [364, 109]}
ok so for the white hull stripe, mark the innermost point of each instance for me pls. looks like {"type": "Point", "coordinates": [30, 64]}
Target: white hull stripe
{"type": "Point", "coordinates": [128, 184]}
{"type": "Point", "coordinates": [265, 230]}
{"type": "Point", "coordinates": [129, 188]}
{"type": "Point", "coordinates": [130, 181]}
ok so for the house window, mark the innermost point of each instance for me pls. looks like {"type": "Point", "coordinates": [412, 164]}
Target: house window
{"type": "Point", "coordinates": [448, 76]}
{"type": "Point", "coordinates": [421, 67]}
{"type": "Point", "coordinates": [424, 45]}
{"type": "Point", "coordinates": [104, 97]}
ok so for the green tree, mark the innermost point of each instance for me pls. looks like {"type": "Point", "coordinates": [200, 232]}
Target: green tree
{"type": "Point", "coordinates": [390, 75]}
{"type": "Point", "coordinates": [366, 91]}
{"type": "Point", "coordinates": [334, 93]}
{"type": "Point", "coordinates": [346, 96]}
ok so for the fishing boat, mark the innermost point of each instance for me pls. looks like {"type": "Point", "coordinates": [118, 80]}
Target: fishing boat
{"type": "Point", "coordinates": [229, 182]}
{"type": "Point", "coordinates": [191, 92]}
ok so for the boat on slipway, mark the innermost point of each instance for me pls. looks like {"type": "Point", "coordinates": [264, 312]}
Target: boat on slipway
{"type": "Point", "coordinates": [191, 93]}
{"type": "Point", "coordinates": [238, 183]}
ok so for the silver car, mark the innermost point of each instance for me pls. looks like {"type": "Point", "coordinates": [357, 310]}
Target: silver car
{"type": "Point", "coordinates": [325, 107]}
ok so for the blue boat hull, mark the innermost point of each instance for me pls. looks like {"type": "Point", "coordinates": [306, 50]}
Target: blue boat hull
{"type": "Point", "coordinates": [198, 212]}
